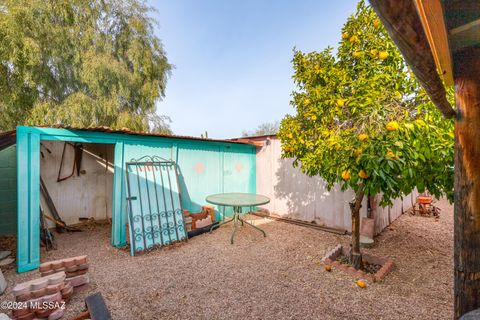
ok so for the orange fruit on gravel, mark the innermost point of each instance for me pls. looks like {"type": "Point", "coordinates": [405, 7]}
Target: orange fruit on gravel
{"type": "Point", "coordinates": [361, 283]}
{"type": "Point", "coordinates": [328, 268]}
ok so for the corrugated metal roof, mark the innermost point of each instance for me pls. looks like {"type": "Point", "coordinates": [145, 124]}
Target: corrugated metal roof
{"type": "Point", "coordinates": [256, 140]}
{"type": "Point", "coordinates": [263, 136]}
{"type": "Point", "coordinates": [124, 131]}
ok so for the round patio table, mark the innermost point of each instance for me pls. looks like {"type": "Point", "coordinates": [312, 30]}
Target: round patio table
{"type": "Point", "coordinates": [237, 201]}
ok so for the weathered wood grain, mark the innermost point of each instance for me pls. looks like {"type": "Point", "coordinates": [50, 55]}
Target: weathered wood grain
{"type": "Point", "coordinates": [467, 182]}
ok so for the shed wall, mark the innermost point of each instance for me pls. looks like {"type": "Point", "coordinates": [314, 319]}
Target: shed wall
{"type": "Point", "coordinates": [8, 191]}
{"type": "Point", "coordinates": [86, 196]}
{"type": "Point", "coordinates": [186, 152]}
{"type": "Point", "coordinates": [296, 195]}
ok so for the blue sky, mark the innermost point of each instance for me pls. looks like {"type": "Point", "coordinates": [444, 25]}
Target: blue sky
{"type": "Point", "coordinates": [233, 58]}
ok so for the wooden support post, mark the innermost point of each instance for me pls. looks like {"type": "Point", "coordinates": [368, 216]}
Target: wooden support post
{"type": "Point", "coordinates": [467, 182]}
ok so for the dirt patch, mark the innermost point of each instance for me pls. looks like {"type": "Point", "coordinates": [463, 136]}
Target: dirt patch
{"type": "Point", "coordinates": [277, 277]}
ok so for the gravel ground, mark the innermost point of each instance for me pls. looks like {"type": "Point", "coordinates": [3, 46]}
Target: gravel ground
{"type": "Point", "coordinates": [278, 277]}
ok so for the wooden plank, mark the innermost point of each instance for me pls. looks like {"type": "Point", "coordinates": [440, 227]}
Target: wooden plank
{"type": "Point", "coordinates": [431, 16]}
{"type": "Point", "coordinates": [403, 24]}
{"type": "Point", "coordinates": [467, 182]}
{"type": "Point", "coordinates": [97, 308]}
{"type": "Point", "coordinates": [465, 36]}
{"type": "Point", "coordinates": [299, 223]}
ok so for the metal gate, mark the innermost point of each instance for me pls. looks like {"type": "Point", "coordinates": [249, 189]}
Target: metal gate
{"type": "Point", "coordinates": [155, 214]}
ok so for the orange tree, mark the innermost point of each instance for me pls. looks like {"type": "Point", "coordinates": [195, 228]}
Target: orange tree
{"type": "Point", "coordinates": [362, 120]}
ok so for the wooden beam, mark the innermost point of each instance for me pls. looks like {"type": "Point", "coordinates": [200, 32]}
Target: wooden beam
{"type": "Point", "coordinates": [467, 182]}
{"type": "Point", "coordinates": [464, 36]}
{"type": "Point", "coordinates": [402, 22]}
{"type": "Point", "coordinates": [431, 16]}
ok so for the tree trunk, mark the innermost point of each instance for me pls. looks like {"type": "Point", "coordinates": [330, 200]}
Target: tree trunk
{"type": "Point", "coordinates": [467, 182]}
{"type": "Point", "coordinates": [355, 205]}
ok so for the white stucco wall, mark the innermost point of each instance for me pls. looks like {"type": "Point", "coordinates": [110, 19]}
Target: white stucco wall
{"type": "Point", "coordinates": [295, 195]}
{"type": "Point", "coordinates": [86, 196]}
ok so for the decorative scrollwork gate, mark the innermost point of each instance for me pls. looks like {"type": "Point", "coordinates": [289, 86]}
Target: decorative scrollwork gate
{"type": "Point", "coordinates": [155, 214]}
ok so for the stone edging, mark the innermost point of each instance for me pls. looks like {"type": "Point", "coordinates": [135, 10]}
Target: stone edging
{"type": "Point", "coordinates": [331, 259]}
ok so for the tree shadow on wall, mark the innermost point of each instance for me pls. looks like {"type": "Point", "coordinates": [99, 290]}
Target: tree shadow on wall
{"type": "Point", "coordinates": [302, 195]}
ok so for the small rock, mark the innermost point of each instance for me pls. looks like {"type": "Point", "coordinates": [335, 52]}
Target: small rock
{"type": "Point", "coordinates": [472, 315]}
{"type": "Point", "coordinates": [6, 261]}
{"type": "Point", "coordinates": [3, 284]}
{"type": "Point", "coordinates": [3, 316]}
{"type": "Point", "coordinates": [4, 254]}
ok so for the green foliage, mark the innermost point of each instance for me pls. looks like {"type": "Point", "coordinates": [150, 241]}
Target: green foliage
{"type": "Point", "coordinates": [345, 105]}
{"type": "Point", "coordinates": [80, 63]}
{"type": "Point", "coordinates": [263, 129]}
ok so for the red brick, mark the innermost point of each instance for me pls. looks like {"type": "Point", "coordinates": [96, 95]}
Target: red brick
{"type": "Point", "coordinates": [342, 267]}
{"type": "Point", "coordinates": [351, 270]}
{"type": "Point", "coordinates": [369, 277]}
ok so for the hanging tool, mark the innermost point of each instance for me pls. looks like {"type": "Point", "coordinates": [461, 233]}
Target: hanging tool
{"type": "Point", "coordinates": [41, 152]}
{"type": "Point", "coordinates": [77, 160]}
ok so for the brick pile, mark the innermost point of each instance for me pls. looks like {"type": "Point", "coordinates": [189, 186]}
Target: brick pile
{"type": "Point", "coordinates": [44, 297]}
{"type": "Point", "coordinates": [75, 269]}
{"type": "Point", "coordinates": [40, 298]}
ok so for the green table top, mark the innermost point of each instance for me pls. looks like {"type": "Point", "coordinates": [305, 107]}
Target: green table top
{"type": "Point", "coordinates": [237, 199]}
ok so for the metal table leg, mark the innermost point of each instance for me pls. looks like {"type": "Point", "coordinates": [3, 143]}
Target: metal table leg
{"type": "Point", "coordinates": [236, 219]}
{"type": "Point", "coordinates": [221, 223]}
{"type": "Point", "coordinates": [253, 226]}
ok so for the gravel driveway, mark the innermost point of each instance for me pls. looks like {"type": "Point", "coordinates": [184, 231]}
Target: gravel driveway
{"type": "Point", "coordinates": [278, 277]}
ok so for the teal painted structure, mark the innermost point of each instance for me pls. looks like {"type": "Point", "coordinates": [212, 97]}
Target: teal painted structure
{"type": "Point", "coordinates": [205, 167]}
{"type": "Point", "coordinates": [8, 191]}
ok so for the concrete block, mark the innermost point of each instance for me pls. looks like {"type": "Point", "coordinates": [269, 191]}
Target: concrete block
{"type": "Point", "coordinates": [367, 227]}
{"type": "Point", "coordinates": [37, 284]}
{"type": "Point", "coordinates": [78, 280]}
{"type": "Point", "coordinates": [46, 268]}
